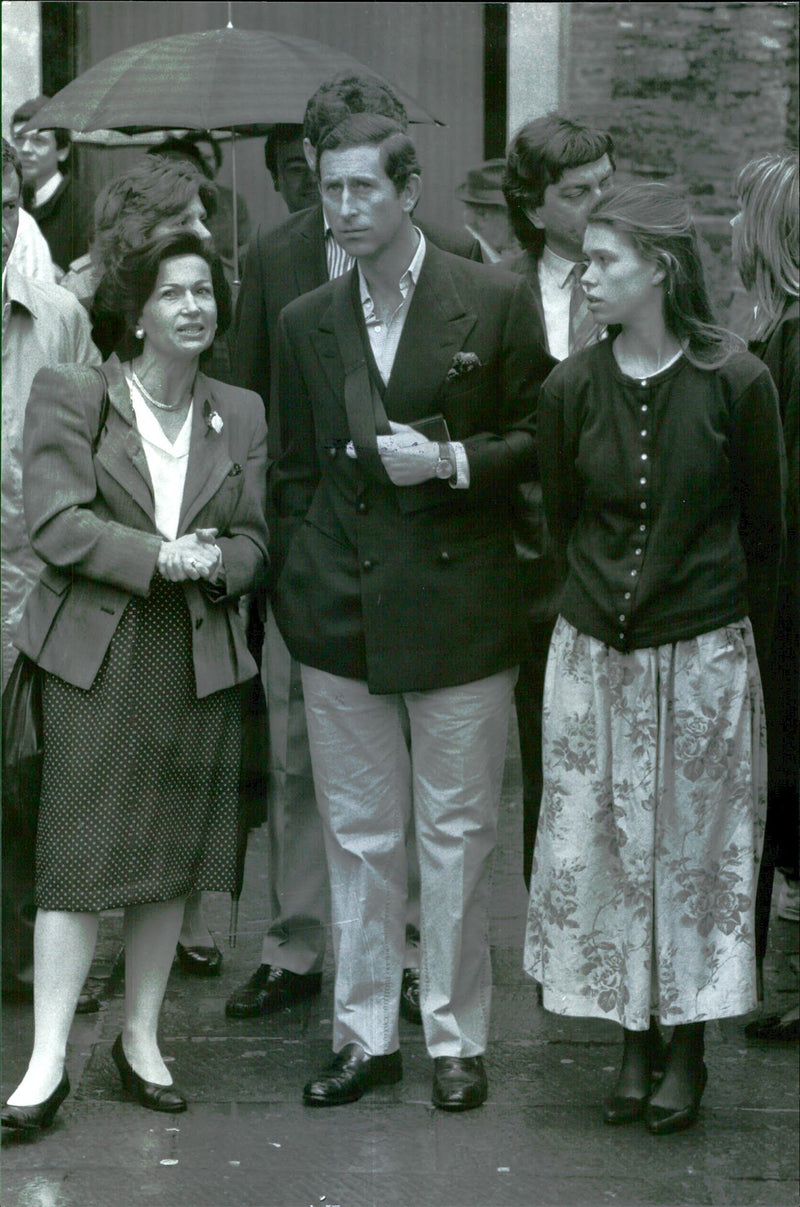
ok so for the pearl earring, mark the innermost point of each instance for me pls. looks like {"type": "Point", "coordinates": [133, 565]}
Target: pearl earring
{"type": "Point", "coordinates": [139, 332]}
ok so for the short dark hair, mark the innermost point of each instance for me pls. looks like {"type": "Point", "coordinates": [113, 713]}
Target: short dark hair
{"type": "Point", "coordinates": [132, 281]}
{"type": "Point", "coordinates": [345, 94]}
{"type": "Point", "coordinates": [11, 161]}
{"type": "Point", "coordinates": [29, 109]}
{"type": "Point", "coordinates": [398, 153]}
{"type": "Point", "coordinates": [538, 155]}
{"type": "Point", "coordinates": [278, 136]}
{"type": "Point", "coordinates": [182, 148]}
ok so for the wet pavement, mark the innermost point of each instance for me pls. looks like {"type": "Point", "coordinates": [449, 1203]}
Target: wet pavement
{"type": "Point", "coordinates": [247, 1140]}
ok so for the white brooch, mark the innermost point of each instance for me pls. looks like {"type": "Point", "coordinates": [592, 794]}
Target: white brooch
{"type": "Point", "coordinates": [213, 420]}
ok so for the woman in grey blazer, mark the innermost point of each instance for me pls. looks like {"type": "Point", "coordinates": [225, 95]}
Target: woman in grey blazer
{"type": "Point", "coordinates": [148, 510]}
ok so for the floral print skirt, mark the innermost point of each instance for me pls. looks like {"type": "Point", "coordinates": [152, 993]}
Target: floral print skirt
{"type": "Point", "coordinates": [650, 833]}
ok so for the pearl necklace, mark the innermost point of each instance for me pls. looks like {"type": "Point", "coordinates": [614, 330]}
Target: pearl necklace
{"type": "Point", "coordinates": [148, 397]}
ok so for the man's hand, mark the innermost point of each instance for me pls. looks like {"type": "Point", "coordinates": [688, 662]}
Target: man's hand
{"type": "Point", "coordinates": [408, 457]}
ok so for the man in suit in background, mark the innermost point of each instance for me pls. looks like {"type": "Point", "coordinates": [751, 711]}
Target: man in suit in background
{"type": "Point", "coordinates": [556, 170]}
{"type": "Point", "coordinates": [285, 160]}
{"type": "Point", "coordinates": [397, 593]}
{"type": "Point", "coordinates": [486, 213]}
{"type": "Point", "coordinates": [283, 263]}
{"type": "Point", "coordinates": [49, 195]}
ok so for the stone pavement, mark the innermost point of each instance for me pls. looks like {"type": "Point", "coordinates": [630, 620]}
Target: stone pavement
{"type": "Point", "coordinates": [247, 1141]}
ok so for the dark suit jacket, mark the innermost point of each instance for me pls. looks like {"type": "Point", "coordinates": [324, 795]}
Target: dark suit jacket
{"type": "Point", "coordinates": [542, 567]}
{"type": "Point", "coordinates": [282, 264]}
{"type": "Point", "coordinates": [91, 519]}
{"type": "Point", "coordinates": [409, 588]}
{"type": "Point", "coordinates": [63, 223]}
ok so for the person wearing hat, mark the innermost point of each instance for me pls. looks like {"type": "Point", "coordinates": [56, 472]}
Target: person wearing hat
{"type": "Point", "coordinates": [485, 211]}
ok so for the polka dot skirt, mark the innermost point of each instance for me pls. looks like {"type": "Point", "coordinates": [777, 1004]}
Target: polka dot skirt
{"type": "Point", "coordinates": [140, 778]}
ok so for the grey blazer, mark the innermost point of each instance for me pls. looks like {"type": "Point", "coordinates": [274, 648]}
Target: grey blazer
{"type": "Point", "coordinates": [91, 518]}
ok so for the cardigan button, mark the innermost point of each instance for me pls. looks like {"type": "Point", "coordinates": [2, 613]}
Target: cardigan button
{"type": "Point", "coordinates": [332, 450]}
{"type": "Point", "coordinates": [444, 556]}
{"type": "Point", "coordinates": [366, 564]}
{"type": "Point", "coordinates": [362, 508]}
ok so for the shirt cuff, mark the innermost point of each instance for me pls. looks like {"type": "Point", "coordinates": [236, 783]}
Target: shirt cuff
{"type": "Point", "coordinates": [461, 480]}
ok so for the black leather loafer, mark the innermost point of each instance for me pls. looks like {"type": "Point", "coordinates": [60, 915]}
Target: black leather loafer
{"type": "Point", "coordinates": [34, 1118]}
{"type": "Point", "coordinates": [270, 988]}
{"type": "Point", "coordinates": [200, 961]}
{"type": "Point", "coordinates": [147, 1093]}
{"type": "Point", "coordinates": [350, 1074]}
{"type": "Point", "coordinates": [459, 1082]}
{"type": "Point", "coordinates": [663, 1120]}
{"type": "Point", "coordinates": [409, 996]}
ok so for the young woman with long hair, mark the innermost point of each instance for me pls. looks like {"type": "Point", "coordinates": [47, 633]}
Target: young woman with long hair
{"type": "Point", "coordinates": [662, 472]}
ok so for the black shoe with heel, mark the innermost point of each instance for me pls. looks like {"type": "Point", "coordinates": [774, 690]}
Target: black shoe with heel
{"type": "Point", "coordinates": [147, 1093]}
{"type": "Point", "coordinates": [624, 1108]}
{"type": "Point", "coordinates": [39, 1116]}
{"type": "Point", "coordinates": [664, 1120]}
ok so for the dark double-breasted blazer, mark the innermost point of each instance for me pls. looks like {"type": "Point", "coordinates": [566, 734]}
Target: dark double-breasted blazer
{"type": "Point", "coordinates": [91, 518]}
{"type": "Point", "coordinates": [282, 264]}
{"type": "Point", "coordinates": [409, 588]}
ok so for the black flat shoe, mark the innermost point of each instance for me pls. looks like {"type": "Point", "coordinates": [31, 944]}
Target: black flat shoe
{"type": "Point", "coordinates": [39, 1116]}
{"type": "Point", "coordinates": [200, 961]}
{"type": "Point", "coordinates": [271, 988]}
{"type": "Point", "coordinates": [351, 1072]}
{"type": "Point", "coordinates": [459, 1083]}
{"type": "Point", "coordinates": [409, 996]}
{"type": "Point", "coordinates": [663, 1120]}
{"type": "Point", "coordinates": [147, 1093]}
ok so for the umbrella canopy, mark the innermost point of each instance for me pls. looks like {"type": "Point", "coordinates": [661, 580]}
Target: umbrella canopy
{"type": "Point", "coordinates": [213, 80]}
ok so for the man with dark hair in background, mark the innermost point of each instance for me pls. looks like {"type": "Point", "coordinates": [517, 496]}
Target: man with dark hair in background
{"type": "Point", "coordinates": [48, 195]}
{"type": "Point", "coordinates": [556, 169]}
{"type": "Point", "coordinates": [285, 160]}
{"type": "Point", "coordinates": [283, 263]}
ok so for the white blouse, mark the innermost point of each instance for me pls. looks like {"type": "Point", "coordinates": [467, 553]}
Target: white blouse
{"type": "Point", "coordinates": [166, 462]}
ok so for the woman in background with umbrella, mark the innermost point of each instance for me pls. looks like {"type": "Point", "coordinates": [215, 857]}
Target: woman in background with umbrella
{"type": "Point", "coordinates": [148, 511]}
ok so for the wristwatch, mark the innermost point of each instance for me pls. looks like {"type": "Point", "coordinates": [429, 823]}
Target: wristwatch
{"type": "Point", "coordinates": [446, 465]}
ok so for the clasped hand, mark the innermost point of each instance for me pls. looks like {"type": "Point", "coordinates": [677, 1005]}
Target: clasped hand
{"type": "Point", "coordinates": [192, 556]}
{"type": "Point", "coordinates": [408, 457]}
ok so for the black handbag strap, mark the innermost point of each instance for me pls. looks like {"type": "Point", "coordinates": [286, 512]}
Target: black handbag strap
{"type": "Point", "coordinates": [104, 405]}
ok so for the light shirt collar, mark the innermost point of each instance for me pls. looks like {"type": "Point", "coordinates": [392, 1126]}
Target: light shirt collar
{"type": "Point", "coordinates": [408, 280]}
{"type": "Point", "coordinates": [557, 268]}
{"type": "Point", "coordinates": [48, 190]}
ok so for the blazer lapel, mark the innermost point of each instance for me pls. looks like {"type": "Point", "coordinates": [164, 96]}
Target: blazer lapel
{"type": "Point", "coordinates": [437, 326]}
{"type": "Point", "coordinates": [209, 456]}
{"type": "Point", "coordinates": [308, 252]}
{"type": "Point", "coordinates": [120, 451]}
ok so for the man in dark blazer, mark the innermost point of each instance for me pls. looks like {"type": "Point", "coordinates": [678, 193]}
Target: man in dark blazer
{"type": "Point", "coordinates": [556, 170]}
{"type": "Point", "coordinates": [282, 264]}
{"type": "Point", "coordinates": [397, 592]}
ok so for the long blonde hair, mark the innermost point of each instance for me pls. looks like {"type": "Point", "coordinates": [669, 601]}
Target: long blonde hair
{"type": "Point", "coordinates": [768, 236]}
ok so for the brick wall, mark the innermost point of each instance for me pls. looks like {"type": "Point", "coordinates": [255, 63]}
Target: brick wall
{"type": "Point", "coordinates": [690, 92]}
